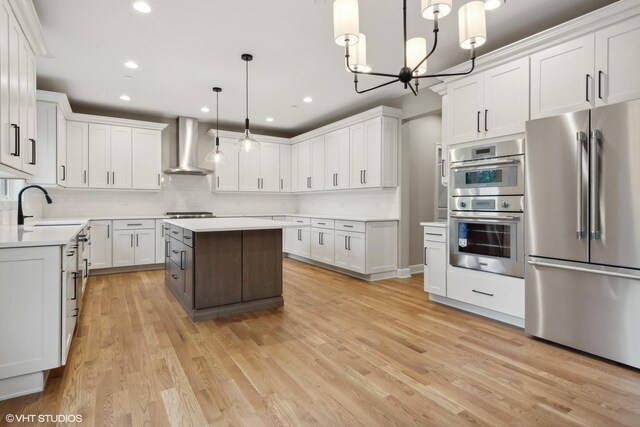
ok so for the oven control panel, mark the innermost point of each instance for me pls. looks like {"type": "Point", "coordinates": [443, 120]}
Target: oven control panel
{"type": "Point", "coordinates": [488, 204]}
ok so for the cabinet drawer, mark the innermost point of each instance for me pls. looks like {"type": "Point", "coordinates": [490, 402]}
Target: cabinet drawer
{"type": "Point", "coordinates": [505, 295]}
{"type": "Point", "coordinates": [297, 220]}
{"type": "Point", "coordinates": [323, 223]}
{"type": "Point", "coordinates": [187, 237]}
{"type": "Point", "coordinates": [350, 226]}
{"type": "Point", "coordinates": [175, 277]}
{"type": "Point", "coordinates": [132, 224]}
{"type": "Point", "coordinates": [176, 232]}
{"type": "Point", "coordinates": [176, 249]}
{"type": "Point", "coordinates": [435, 234]}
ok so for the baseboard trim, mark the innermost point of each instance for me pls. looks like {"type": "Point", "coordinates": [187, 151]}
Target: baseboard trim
{"type": "Point", "coordinates": [418, 268]}
{"type": "Point", "coordinates": [127, 269]}
{"type": "Point", "coordinates": [22, 385]}
{"type": "Point", "coordinates": [404, 273]}
{"type": "Point", "coordinates": [393, 274]}
{"type": "Point", "coordinates": [485, 312]}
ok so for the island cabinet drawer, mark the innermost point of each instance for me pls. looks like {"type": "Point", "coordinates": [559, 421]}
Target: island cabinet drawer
{"type": "Point", "coordinates": [297, 220]}
{"type": "Point", "coordinates": [176, 252]}
{"type": "Point", "coordinates": [435, 234]}
{"type": "Point", "coordinates": [323, 223]}
{"type": "Point", "coordinates": [176, 232]}
{"type": "Point", "coordinates": [175, 278]}
{"type": "Point", "coordinates": [133, 224]}
{"type": "Point", "coordinates": [187, 237]}
{"type": "Point", "coordinates": [356, 226]}
{"type": "Point", "coordinates": [166, 230]}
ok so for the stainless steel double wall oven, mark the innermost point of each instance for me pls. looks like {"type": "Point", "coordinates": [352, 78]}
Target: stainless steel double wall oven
{"type": "Point", "coordinates": [487, 208]}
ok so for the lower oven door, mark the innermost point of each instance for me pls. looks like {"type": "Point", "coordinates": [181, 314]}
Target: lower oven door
{"type": "Point", "coordinates": [488, 241]}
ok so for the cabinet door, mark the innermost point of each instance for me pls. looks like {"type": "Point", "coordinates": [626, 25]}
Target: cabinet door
{"type": "Point", "coordinates": [123, 248]}
{"type": "Point", "coordinates": [316, 248]}
{"type": "Point", "coordinates": [341, 249]}
{"type": "Point", "coordinates": [357, 157]}
{"type": "Point", "coordinates": [11, 143]}
{"type": "Point", "coordinates": [189, 278]}
{"type": "Point", "coordinates": [435, 268]}
{"type": "Point", "coordinates": [327, 254]}
{"type": "Point", "coordinates": [99, 156]}
{"type": "Point", "coordinates": [270, 167]}
{"type": "Point", "coordinates": [301, 242]}
{"type": "Point", "coordinates": [304, 165]}
{"type": "Point", "coordinates": [101, 244]}
{"type": "Point", "coordinates": [120, 155]}
{"type": "Point", "coordinates": [465, 108]}
{"type": "Point", "coordinates": [61, 129]}
{"type": "Point", "coordinates": [30, 147]}
{"type": "Point", "coordinates": [249, 176]}
{"type": "Point", "coordinates": [294, 169]}
{"type": "Point", "coordinates": [145, 246]}
{"type": "Point", "coordinates": [7, 143]}
{"type": "Point", "coordinates": [357, 255]}
{"type": "Point", "coordinates": [617, 62]}
{"type": "Point", "coordinates": [160, 241]}
{"type": "Point", "coordinates": [146, 159]}
{"type": "Point", "coordinates": [77, 165]}
{"type": "Point", "coordinates": [227, 171]}
{"type": "Point", "coordinates": [337, 160]}
{"type": "Point", "coordinates": [506, 99]}
{"type": "Point", "coordinates": [562, 78]}
{"type": "Point", "coordinates": [46, 135]}
{"type": "Point", "coordinates": [373, 139]}
{"type": "Point", "coordinates": [23, 77]}
{"type": "Point", "coordinates": [317, 164]}
{"type": "Point", "coordinates": [285, 168]}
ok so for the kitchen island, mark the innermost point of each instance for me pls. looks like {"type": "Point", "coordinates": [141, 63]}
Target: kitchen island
{"type": "Point", "coordinates": [224, 266]}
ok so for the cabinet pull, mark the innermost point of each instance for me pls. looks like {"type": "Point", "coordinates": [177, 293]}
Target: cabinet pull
{"type": "Point", "coordinates": [365, 175]}
{"type": "Point", "coordinates": [349, 237]}
{"type": "Point", "coordinates": [166, 249]}
{"type": "Point", "coordinates": [426, 259]}
{"type": "Point", "coordinates": [134, 225]}
{"type": "Point", "coordinates": [486, 127]}
{"type": "Point", "coordinates": [84, 179]}
{"type": "Point", "coordinates": [108, 230]}
{"type": "Point", "coordinates": [345, 242]}
{"type": "Point", "coordinates": [600, 84]}
{"type": "Point", "coordinates": [175, 232]}
{"type": "Point", "coordinates": [258, 183]}
{"type": "Point", "coordinates": [137, 240]}
{"type": "Point", "coordinates": [444, 162]}
{"type": "Point", "coordinates": [175, 276]}
{"type": "Point", "coordinates": [16, 140]}
{"type": "Point", "coordinates": [310, 182]}
{"type": "Point", "coordinates": [347, 226]}
{"type": "Point", "coordinates": [107, 177]}
{"type": "Point", "coordinates": [586, 88]}
{"type": "Point", "coordinates": [175, 252]}
{"type": "Point", "coordinates": [361, 177]}
{"type": "Point", "coordinates": [33, 151]}
{"type": "Point", "coordinates": [162, 232]}
{"type": "Point", "coordinates": [132, 240]}
{"type": "Point", "coordinates": [182, 254]}
{"type": "Point", "coordinates": [86, 268]}
{"type": "Point", "coordinates": [478, 122]}
{"type": "Point", "coordinates": [482, 293]}
{"type": "Point", "coordinates": [64, 173]}
{"type": "Point", "coordinates": [218, 181]}
{"type": "Point", "coordinates": [113, 178]}
{"type": "Point", "coordinates": [281, 183]}
{"type": "Point", "coordinates": [186, 237]}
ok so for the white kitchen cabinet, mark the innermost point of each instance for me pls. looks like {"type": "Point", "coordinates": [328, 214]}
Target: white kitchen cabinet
{"type": "Point", "coordinates": [13, 156]}
{"type": "Point", "coordinates": [123, 248]}
{"type": "Point", "coordinates": [7, 142]}
{"type": "Point", "coordinates": [562, 78]}
{"type": "Point", "coordinates": [322, 245]}
{"type": "Point", "coordinates": [617, 62]}
{"type": "Point", "coordinates": [337, 159]}
{"type": "Point", "coordinates": [374, 153]}
{"type": "Point", "coordinates": [30, 313]}
{"type": "Point", "coordinates": [260, 170]}
{"type": "Point", "coordinates": [311, 164]}
{"type": "Point", "coordinates": [145, 246]}
{"type": "Point", "coordinates": [28, 107]}
{"type": "Point", "coordinates": [304, 165]}
{"type": "Point", "coordinates": [226, 172]}
{"type": "Point", "coordinates": [47, 137]}
{"type": "Point", "coordinates": [301, 242]}
{"type": "Point", "coordinates": [294, 169]}
{"type": "Point", "coordinates": [490, 104]}
{"type": "Point", "coordinates": [74, 171]}
{"type": "Point", "coordinates": [99, 156]}
{"type": "Point", "coordinates": [160, 245]}
{"type": "Point", "coordinates": [146, 159]}
{"type": "Point", "coordinates": [350, 251]}
{"type": "Point", "coordinates": [61, 148]}
{"type": "Point", "coordinates": [101, 244]}
{"type": "Point", "coordinates": [285, 168]}
{"type": "Point", "coordinates": [435, 268]}
{"type": "Point", "coordinates": [120, 156]}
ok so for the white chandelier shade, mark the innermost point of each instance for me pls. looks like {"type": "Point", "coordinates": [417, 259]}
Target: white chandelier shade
{"type": "Point", "coordinates": [346, 22]}
{"type": "Point", "coordinates": [472, 25]}
{"type": "Point", "coordinates": [416, 52]}
{"type": "Point", "coordinates": [430, 8]}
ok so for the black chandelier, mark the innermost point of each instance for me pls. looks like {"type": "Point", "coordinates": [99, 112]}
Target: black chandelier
{"type": "Point", "coordinates": [472, 30]}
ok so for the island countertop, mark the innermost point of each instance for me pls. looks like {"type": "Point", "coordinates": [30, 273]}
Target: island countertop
{"type": "Point", "coordinates": [203, 225]}
{"type": "Point", "coordinates": [15, 236]}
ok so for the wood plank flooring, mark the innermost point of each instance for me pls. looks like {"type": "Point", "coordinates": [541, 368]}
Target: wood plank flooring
{"type": "Point", "coordinates": [340, 352]}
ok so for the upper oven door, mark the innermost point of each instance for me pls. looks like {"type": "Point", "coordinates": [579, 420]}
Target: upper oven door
{"type": "Point", "coordinates": [492, 242]}
{"type": "Point", "coordinates": [491, 177]}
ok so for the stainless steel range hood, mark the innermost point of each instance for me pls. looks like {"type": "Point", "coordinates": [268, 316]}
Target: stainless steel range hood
{"type": "Point", "coordinates": [188, 149]}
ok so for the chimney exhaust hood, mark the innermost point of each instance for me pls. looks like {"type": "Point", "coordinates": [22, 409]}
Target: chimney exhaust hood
{"type": "Point", "coordinates": [188, 149]}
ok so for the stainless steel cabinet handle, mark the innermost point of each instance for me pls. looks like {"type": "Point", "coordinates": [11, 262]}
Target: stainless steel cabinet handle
{"type": "Point", "coordinates": [595, 184]}
{"type": "Point", "coordinates": [175, 276]}
{"type": "Point", "coordinates": [361, 179]}
{"type": "Point", "coordinates": [134, 225]}
{"type": "Point", "coordinates": [442, 168]}
{"type": "Point", "coordinates": [175, 252]}
{"type": "Point", "coordinates": [482, 293]}
{"type": "Point", "coordinates": [586, 89]}
{"type": "Point", "coordinates": [218, 181]}
{"type": "Point", "coordinates": [433, 234]}
{"type": "Point", "coordinates": [33, 151]}
{"type": "Point", "coordinates": [186, 237]}
{"type": "Point", "coordinates": [137, 240]}
{"type": "Point", "coordinates": [113, 178]}
{"type": "Point", "coordinates": [16, 139]}
{"type": "Point", "coordinates": [107, 177]}
{"type": "Point", "coordinates": [281, 183]}
{"type": "Point", "coordinates": [581, 138]}
{"type": "Point", "coordinates": [108, 230]}
{"type": "Point", "coordinates": [182, 255]}
{"type": "Point", "coordinates": [132, 240]}
{"type": "Point", "coordinates": [365, 176]}
{"type": "Point", "coordinates": [600, 73]}
{"type": "Point", "coordinates": [64, 173]}
{"type": "Point", "coordinates": [486, 112]}
{"type": "Point", "coordinates": [345, 242]}
{"type": "Point", "coordinates": [426, 259]}
{"type": "Point", "coordinates": [310, 182]}
{"type": "Point", "coordinates": [258, 183]}
{"type": "Point", "coordinates": [347, 226]}
{"type": "Point", "coordinates": [84, 179]}
{"type": "Point", "coordinates": [349, 240]}
{"type": "Point", "coordinates": [478, 122]}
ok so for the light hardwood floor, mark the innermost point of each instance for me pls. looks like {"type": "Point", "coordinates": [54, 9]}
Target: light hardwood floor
{"type": "Point", "coordinates": [340, 352]}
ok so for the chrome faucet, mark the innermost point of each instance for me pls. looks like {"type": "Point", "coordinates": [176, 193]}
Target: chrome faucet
{"type": "Point", "coordinates": [21, 216]}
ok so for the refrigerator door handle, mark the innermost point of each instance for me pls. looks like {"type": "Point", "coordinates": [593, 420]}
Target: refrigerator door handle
{"type": "Point", "coordinates": [581, 138]}
{"type": "Point", "coordinates": [536, 263]}
{"type": "Point", "coordinates": [594, 189]}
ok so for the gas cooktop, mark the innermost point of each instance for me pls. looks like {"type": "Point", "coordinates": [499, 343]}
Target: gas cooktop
{"type": "Point", "coordinates": [186, 215]}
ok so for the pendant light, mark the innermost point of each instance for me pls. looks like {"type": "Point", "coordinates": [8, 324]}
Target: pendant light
{"type": "Point", "coordinates": [247, 142]}
{"type": "Point", "coordinates": [216, 155]}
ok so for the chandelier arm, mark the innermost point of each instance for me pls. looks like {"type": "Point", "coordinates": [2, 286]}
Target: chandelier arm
{"type": "Point", "coordinates": [412, 89]}
{"type": "Point", "coordinates": [433, 49]}
{"type": "Point", "coordinates": [464, 73]}
{"type": "Point", "coordinates": [355, 82]}
{"type": "Point", "coordinates": [368, 73]}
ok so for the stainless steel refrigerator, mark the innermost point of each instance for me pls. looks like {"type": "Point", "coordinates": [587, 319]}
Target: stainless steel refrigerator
{"type": "Point", "coordinates": [583, 231]}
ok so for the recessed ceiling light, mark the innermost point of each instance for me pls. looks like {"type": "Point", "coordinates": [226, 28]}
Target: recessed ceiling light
{"type": "Point", "coordinates": [307, 99]}
{"type": "Point", "coordinates": [131, 64]}
{"type": "Point", "coordinates": [492, 4]}
{"type": "Point", "coordinates": [205, 109]}
{"type": "Point", "coordinates": [269, 119]}
{"type": "Point", "coordinates": [125, 97]}
{"type": "Point", "coordinates": [142, 7]}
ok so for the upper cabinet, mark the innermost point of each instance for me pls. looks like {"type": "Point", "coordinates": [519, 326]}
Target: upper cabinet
{"type": "Point", "coordinates": [146, 159]}
{"type": "Point", "coordinates": [76, 167]}
{"type": "Point", "coordinates": [226, 172]}
{"type": "Point", "coordinates": [336, 157]}
{"type": "Point", "coordinates": [260, 170]}
{"type": "Point", "coordinates": [489, 104]}
{"type": "Point", "coordinates": [311, 163]}
{"type": "Point", "coordinates": [285, 168]}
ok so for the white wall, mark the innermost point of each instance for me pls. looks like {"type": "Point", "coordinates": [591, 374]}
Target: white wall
{"type": "Point", "coordinates": [372, 202]}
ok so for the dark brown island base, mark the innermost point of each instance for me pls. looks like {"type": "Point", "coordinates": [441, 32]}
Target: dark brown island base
{"type": "Point", "coordinates": [224, 266]}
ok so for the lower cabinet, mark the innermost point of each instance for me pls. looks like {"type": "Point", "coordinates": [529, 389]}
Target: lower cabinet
{"type": "Point", "coordinates": [435, 261]}
{"type": "Point", "coordinates": [300, 241]}
{"type": "Point", "coordinates": [101, 244]}
{"type": "Point", "coordinates": [123, 249]}
{"type": "Point", "coordinates": [350, 251]}
{"type": "Point", "coordinates": [159, 241]}
{"type": "Point", "coordinates": [322, 245]}
{"type": "Point", "coordinates": [134, 242]}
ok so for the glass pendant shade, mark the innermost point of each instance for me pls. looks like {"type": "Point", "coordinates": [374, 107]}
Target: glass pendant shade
{"type": "Point", "coordinates": [358, 55]}
{"type": "Point", "coordinates": [472, 25]}
{"type": "Point", "coordinates": [216, 156]}
{"type": "Point", "coordinates": [247, 143]}
{"type": "Point", "coordinates": [492, 4]}
{"type": "Point", "coordinates": [430, 7]}
{"type": "Point", "coordinates": [345, 22]}
{"type": "Point", "coordinates": [416, 52]}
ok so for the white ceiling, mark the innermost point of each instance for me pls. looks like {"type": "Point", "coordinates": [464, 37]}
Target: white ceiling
{"type": "Point", "coordinates": [185, 47]}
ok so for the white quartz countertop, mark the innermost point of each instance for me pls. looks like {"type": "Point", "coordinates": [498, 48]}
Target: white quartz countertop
{"type": "Point", "coordinates": [442, 224]}
{"type": "Point", "coordinates": [201, 225]}
{"type": "Point", "coordinates": [16, 236]}
{"type": "Point", "coordinates": [319, 216]}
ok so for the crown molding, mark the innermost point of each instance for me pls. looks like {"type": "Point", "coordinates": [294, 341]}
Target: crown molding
{"type": "Point", "coordinates": [261, 138]}
{"type": "Point", "coordinates": [63, 102]}
{"type": "Point", "coordinates": [28, 19]}
{"type": "Point", "coordinates": [570, 30]}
